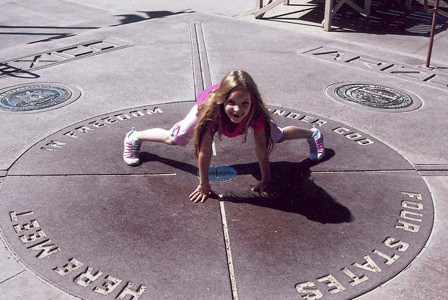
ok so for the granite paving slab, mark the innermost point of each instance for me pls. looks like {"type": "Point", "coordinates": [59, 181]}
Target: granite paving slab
{"type": "Point", "coordinates": [10, 266]}
{"type": "Point", "coordinates": [97, 78]}
{"type": "Point", "coordinates": [129, 229]}
{"type": "Point", "coordinates": [327, 235]}
{"type": "Point", "coordinates": [26, 286]}
{"type": "Point", "coordinates": [426, 277]}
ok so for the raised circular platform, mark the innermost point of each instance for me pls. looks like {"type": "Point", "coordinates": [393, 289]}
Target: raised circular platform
{"type": "Point", "coordinates": [77, 216]}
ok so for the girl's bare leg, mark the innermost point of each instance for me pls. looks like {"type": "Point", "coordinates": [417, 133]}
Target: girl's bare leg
{"type": "Point", "coordinates": [294, 133]}
{"type": "Point", "coordinates": [157, 135]}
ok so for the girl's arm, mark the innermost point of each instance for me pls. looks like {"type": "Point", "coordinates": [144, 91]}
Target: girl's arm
{"type": "Point", "coordinates": [205, 155]}
{"type": "Point", "coordinates": [262, 154]}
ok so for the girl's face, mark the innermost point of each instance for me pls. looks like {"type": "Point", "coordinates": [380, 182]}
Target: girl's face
{"type": "Point", "coordinates": [237, 105]}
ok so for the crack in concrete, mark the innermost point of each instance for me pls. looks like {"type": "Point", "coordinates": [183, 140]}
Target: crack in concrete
{"type": "Point", "coordinates": [12, 277]}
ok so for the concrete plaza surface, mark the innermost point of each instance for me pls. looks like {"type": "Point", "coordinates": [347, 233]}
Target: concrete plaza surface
{"type": "Point", "coordinates": [128, 56]}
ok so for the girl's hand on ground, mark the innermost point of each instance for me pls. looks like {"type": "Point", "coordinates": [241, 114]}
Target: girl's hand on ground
{"type": "Point", "coordinates": [201, 193]}
{"type": "Point", "coordinates": [261, 187]}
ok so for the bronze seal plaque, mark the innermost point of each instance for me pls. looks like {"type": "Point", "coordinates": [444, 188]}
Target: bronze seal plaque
{"type": "Point", "coordinates": [374, 96]}
{"type": "Point", "coordinates": [37, 97]}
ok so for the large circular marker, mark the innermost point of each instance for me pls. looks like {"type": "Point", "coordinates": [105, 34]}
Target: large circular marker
{"type": "Point", "coordinates": [374, 96]}
{"type": "Point", "coordinates": [78, 217]}
{"type": "Point", "coordinates": [37, 97]}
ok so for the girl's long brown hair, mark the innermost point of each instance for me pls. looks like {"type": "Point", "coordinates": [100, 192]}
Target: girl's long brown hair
{"type": "Point", "coordinates": [212, 116]}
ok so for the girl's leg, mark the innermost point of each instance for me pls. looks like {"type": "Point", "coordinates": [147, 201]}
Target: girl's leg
{"type": "Point", "coordinates": [294, 133]}
{"type": "Point", "coordinates": [157, 135]}
{"type": "Point", "coordinates": [179, 134]}
{"type": "Point", "coordinates": [133, 142]}
{"type": "Point", "coordinates": [313, 137]}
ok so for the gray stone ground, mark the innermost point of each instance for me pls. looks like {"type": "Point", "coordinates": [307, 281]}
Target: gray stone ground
{"type": "Point", "coordinates": [158, 69]}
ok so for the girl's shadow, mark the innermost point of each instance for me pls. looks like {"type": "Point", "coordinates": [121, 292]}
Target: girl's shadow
{"type": "Point", "coordinates": [292, 189]}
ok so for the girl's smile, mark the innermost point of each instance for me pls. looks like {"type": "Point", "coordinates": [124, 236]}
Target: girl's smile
{"type": "Point", "coordinates": [237, 106]}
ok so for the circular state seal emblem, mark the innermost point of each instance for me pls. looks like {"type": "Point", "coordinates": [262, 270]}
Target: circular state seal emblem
{"type": "Point", "coordinates": [36, 97]}
{"type": "Point", "coordinates": [374, 96]}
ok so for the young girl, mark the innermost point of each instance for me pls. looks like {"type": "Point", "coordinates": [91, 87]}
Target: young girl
{"type": "Point", "coordinates": [228, 108]}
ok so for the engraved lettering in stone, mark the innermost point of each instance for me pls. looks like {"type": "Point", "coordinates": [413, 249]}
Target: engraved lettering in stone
{"type": "Point", "coordinates": [341, 130]}
{"type": "Point", "coordinates": [408, 215]}
{"type": "Point", "coordinates": [389, 260]}
{"type": "Point", "coordinates": [365, 63]}
{"type": "Point", "coordinates": [86, 278]}
{"type": "Point", "coordinates": [412, 205]}
{"type": "Point", "coordinates": [84, 129]}
{"type": "Point", "coordinates": [407, 226]}
{"type": "Point", "coordinates": [373, 64]}
{"type": "Point", "coordinates": [306, 119]}
{"type": "Point", "coordinates": [109, 286]}
{"type": "Point", "coordinates": [326, 52]}
{"type": "Point", "coordinates": [122, 117]}
{"type": "Point", "coordinates": [356, 280]}
{"type": "Point", "coordinates": [53, 145]}
{"type": "Point", "coordinates": [439, 79]}
{"type": "Point", "coordinates": [369, 265]}
{"type": "Point", "coordinates": [128, 291]}
{"type": "Point", "coordinates": [72, 265]}
{"type": "Point", "coordinates": [40, 234]}
{"type": "Point", "coordinates": [365, 142]}
{"type": "Point", "coordinates": [27, 226]}
{"type": "Point", "coordinates": [377, 65]}
{"type": "Point", "coordinates": [154, 111]}
{"type": "Point", "coordinates": [428, 79]}
{"type": "Point", "coordinates": [408, 72]}
{"type": "Point", "coordinates": [137, 113]}
{"type": "Point", "coordinates": [71, 134]}
{"type": "Point", "coordinates": [306, 288]}
{"type": "Point", "coordinates": [292, 115]}
{"type": "Point", "coordinates": [331, 54]}
{"type": "Point", "coordinates": [413, 195]}
{"type": "Point", "coordinates": [13, 215]}
{"type": "Point", "coordinates": [400, 246]}
{"type": "Point", "coordinates": [108, 120]}
{"type": "Point", "coordinates": [96, 124]}
{"type": "Point", "coordinates": [353, 136]}
{"type": "Point", "coordinates": [331, 282]}
{"type": "Point", "coordinates": [353, 58]}
{"type": "Point", "coordinates": [46, 247]}
{"type": "Point", "coordinates": [278, 112]}
{"type": "Point", "coordinates": [348, 57]}
{"type": "Point", "coordinates": [319, 123]}
{"type": "Point", "coordinates": [339, 56]}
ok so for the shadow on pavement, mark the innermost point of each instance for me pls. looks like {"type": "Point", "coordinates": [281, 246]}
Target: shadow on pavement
{"type": "Point", "coordinates": [293, 189]}
{"type": "Point", "coordinates": [134, 18]}
{"type": "Point", "coordinates": [60, 32]}
{"type": "Point", "coordinates": [386, 17]}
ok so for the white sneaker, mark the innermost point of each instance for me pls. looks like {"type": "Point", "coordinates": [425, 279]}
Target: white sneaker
{"type": "Point", "coordinates": [131, 152]}
{"type": "Point", "coordinates": [316, 144]}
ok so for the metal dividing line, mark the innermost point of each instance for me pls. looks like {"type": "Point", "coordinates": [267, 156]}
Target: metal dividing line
{"type": "Point", "coordinates": [228, 251]}
{"type": "Point", "coordinates": [202, 80]}
{"type": "Point", "coordinates": [201, 68]}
